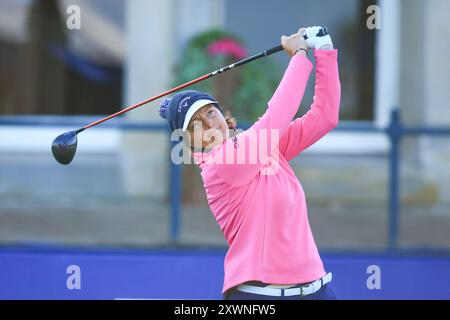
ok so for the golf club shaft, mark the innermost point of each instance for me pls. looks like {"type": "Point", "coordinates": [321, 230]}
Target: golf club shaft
{"type": "Point", "coordinates": [187, 84]}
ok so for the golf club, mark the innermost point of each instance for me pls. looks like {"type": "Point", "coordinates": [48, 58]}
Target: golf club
{"type": "Point", "coordinates": [65, 145]}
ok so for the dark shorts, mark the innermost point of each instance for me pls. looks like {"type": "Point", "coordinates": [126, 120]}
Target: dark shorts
{"type": "Point", "coordinates": [324, 293]}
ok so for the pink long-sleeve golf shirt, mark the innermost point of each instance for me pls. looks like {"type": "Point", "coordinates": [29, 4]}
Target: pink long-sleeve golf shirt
{"type": "Point", "coordinates": [252, 190]}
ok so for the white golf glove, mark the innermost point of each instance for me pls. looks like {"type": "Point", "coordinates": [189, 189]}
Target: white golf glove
{"type": "Point", "coordinates": [318, 38]}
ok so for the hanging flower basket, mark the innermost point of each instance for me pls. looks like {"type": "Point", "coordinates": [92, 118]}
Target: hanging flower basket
{"type": "Point", "coordinates": [244, 91]}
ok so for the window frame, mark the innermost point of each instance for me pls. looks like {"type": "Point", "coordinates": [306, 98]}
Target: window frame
{"type": "Point", "coordinates": [387, 75]}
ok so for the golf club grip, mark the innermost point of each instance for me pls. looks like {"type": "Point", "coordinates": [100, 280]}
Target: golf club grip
{"type": "Point", "coordinates": [274, 50]}
{"type": "Point", "coordinates": [247, 60]}
{"type": "Point", "coordinates": [250, 59]}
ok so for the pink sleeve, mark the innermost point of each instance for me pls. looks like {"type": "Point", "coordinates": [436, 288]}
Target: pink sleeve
{"type": "Point", "coordinates": [249, 150]}
{"type": "Point", "coordinates": [324, 113]}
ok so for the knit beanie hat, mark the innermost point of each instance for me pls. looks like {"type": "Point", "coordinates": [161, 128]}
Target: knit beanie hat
{"type": "Point", "coordinates": [180, 108]}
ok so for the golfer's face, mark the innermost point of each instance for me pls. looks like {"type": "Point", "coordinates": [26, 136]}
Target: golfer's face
{"type": "Point", "coordinates": [207, 127]}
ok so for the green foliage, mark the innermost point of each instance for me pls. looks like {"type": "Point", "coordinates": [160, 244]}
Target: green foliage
{"type": "Point", "coordinates": [254, 83]}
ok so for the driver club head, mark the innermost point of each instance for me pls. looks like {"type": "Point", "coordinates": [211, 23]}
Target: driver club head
{"type": "Point", "coordinates": [64, 147]}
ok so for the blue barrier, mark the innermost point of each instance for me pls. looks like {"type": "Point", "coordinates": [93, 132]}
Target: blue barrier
{"type": "Point", "coordinates": [395, 132]}
{"type": "Point", "coordinates": [187, 274]}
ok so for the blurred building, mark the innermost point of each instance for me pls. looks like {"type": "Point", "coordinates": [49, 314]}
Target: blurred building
{"type": "Point", "coordinates": [126, 51]}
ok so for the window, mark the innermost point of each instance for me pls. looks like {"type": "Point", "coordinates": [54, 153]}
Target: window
{"type": "Point", "coordinates": [45, 68]}
{"type": "Point", "coordinates": [346, 20]}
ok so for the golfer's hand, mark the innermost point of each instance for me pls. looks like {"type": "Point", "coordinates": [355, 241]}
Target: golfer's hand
{"type": "Point", "coordinates": [294, 43]}
{"type": "Point", "coordinates": [318, 42]}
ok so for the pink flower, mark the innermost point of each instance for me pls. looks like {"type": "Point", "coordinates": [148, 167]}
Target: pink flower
{"type": "Point", "coordinates": [227, 46]}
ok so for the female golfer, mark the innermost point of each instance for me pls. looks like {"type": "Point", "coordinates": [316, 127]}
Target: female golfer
{"type": "Point", "coordinates": [251, 189]}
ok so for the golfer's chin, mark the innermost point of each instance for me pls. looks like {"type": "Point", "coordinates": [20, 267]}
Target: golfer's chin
{"type": "Point", "coordinates": [213, 143]}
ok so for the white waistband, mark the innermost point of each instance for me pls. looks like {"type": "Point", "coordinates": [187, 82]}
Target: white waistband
{"type": "Point", "coordinates": [297, 291]}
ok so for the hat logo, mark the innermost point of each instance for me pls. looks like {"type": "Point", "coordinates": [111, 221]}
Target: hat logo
{"type": "Point", "coordinates": [183, 103]}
